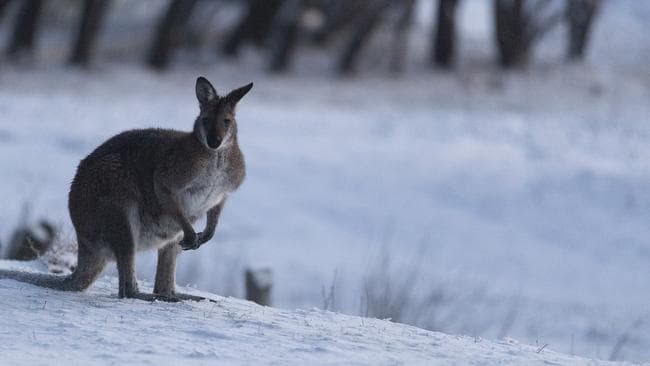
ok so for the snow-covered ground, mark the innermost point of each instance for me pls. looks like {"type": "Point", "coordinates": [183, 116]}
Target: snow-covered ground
{"type": "Point", "coordinates": [480, 203]}
{"type": "Point", "coordinates": [96, 328]}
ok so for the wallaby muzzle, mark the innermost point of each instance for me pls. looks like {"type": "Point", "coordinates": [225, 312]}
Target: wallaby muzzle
{"type": "Point", "coordinates": [213, 140]}
{"type": "Point", "coordinates": [214, 134]}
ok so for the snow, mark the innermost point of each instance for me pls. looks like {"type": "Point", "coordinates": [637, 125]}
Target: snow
{"type": "Point", "coordinates": [42, 326]}
{"type": "Point", "coordinates": [494, 204]}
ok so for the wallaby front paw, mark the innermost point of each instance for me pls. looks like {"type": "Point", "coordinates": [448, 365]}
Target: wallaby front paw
{"type": "Point", "coordinates": [199, 239]}
{"type": "Point", "coordinates": [190, 242]}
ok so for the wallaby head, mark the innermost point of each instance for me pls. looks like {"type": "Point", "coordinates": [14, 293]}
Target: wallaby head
{"type": "Point", "coordinates": [216, 126]}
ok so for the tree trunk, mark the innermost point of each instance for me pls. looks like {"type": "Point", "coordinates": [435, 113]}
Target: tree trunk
{"type": "Point", "coordinates": [3, 6]}
{"type": "Point", "coordinates": [169, 32]}
{"type": "Point", "coordinates": [89, 24]}
{"type": "Point", "coordinates": [254, 25]}
{"type": "Point", "coordinates": [512, 41]}
{"type": "Point", "coordinates": [258, 286]}
{"type": "Point", "coordinates": [360, 35]}
{"type": "Point", "coordinates": [284, 34]}
{"type": "Point", "coordinates": [580, 15]}
{"type": "Point", "coordinates": [25, 28]}
{"type": "Point", "coordinates": [445, 33]}
{"type": "Point", "coordinates": [400, 38]}
{"type": "Point", "coordinates": [338, 15]}
{"type": "Point", "coordinates": [519, 27]}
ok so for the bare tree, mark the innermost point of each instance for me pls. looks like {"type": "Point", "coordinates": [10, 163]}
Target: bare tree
{"type": "Point", "coordinates": [25, 28]}
{"type": "Point", "coordinates": [338, 15]}
{"type": "Point", "coordinates": [89, 23]}
{"type": "Point", "coordinates": [400, 35]}
{"type": "Point", "coordinates": [364, 28]}
{"type": "Point", "coordinates": [580, 15]}
{"type": "Point", "coordinates": [284, 34]}
{"type": "Point", "coordinates": [254, 25]}
{"type": "Point", "coordinates": [169, 32]}
{"type": "Point", "coordinates": [518, 26]}
{"type": "Point", "coordinates": [510, 32]}
{"type": "Point", "coordinates": [445, 33]}
{"type": "Point", "coordinates": [3, 6]}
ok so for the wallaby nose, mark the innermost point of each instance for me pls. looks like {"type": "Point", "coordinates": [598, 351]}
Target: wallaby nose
{"type": "Point", "coordinates": [214, 141]}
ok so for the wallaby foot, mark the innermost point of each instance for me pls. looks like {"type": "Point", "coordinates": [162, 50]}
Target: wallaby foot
{"type": "Point", "coordinates": [178, 297]}
{"type": "Point", "coordinates": [140, 296]}
{"type": "Point", "coordinates": [189, 297]}
{"type": "Point", "coordinates": [151, 297]}
{"type": "Point", "coordinates": [166, 298]}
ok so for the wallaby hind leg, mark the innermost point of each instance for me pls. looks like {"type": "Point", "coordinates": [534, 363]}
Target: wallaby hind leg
{"type": "Point", "coordinates": [117, 234]}
{"type": "Point", "coordinates": [128, 286]}
{"type": "Point", "coordinates": [165, 286]}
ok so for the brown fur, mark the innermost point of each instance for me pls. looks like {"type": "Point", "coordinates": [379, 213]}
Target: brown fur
{"type": "Point", "coordinates": [143, 189]}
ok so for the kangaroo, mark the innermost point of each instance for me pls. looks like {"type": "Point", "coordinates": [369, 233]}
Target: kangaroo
{"type": "Point", "coordinates": [143, 189]}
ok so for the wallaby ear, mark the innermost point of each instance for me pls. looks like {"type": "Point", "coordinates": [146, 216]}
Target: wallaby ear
{"type": "Point", "coordinates": [205, 92]}
{"type": "Point", "coordinates": [236, 95]}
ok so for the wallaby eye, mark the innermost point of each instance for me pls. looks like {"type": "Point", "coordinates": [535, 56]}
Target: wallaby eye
{"type": "Point", "coordinates": [227, 122]}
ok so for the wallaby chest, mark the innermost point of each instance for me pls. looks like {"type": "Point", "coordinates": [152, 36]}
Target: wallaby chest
{"type": "Point", "coordinates": [207, 189]}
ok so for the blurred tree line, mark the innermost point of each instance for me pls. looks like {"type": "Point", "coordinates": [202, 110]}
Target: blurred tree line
{"type": "Point", "coordinates": [280, 27]}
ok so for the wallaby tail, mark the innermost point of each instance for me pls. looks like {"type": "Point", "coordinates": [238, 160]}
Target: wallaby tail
{"type": "Point", "coordinates": [39, 279]}
{"type": "Point", "coordinates": [79, 280]}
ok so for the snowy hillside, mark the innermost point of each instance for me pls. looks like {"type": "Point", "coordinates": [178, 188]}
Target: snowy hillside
{"type": "Point", "coordinates": [531, 218]}
{"type": "Point", "coordinates": [474, 202]}
{"type": "Point", "coordinates": [95, 328]}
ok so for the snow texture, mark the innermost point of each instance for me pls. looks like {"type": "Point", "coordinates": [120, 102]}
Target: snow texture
{"type": "Point", "coordinates": [516, 204]}
{"type": "Point", "coordinates": [44, 327]}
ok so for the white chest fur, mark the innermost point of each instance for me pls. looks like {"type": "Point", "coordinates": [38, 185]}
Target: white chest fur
{"type": "Point", "coordinates": [196, 205]}
{"type": "Point", "coordinates": [205, 192]}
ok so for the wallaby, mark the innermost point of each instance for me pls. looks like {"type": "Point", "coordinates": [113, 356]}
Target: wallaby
{"type": "Point", "coordinates": [143, 189]}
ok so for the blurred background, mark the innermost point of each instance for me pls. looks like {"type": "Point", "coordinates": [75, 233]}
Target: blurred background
{"type": "Point", "coordinates": [475, 167]}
